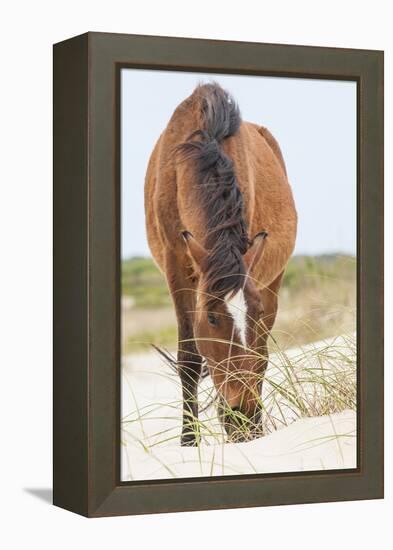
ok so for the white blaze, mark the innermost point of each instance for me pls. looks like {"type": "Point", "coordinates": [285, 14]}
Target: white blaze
{"type": "Point", "coordinates": [237, 307]}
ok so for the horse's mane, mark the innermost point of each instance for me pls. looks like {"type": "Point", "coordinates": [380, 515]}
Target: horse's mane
{"type": "Point", "coordinates": [226, 238]}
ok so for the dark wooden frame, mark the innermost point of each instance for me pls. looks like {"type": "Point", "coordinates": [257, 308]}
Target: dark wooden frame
{"type": "Point", "coordinates": [86, 274]}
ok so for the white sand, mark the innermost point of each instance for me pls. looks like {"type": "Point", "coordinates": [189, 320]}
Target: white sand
{"type": "Point", "coordinates": [152, 411]}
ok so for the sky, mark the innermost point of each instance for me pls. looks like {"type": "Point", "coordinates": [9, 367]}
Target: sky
{"type": "Point", "coordinates": [314, 121]}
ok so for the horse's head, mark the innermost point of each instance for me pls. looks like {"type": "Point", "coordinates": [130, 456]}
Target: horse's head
{"type": "Point", "coordinates": [230, 335]}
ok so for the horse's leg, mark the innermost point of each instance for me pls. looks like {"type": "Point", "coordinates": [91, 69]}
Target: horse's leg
{"type": "Point", "coordinates": [189, 368]}
{"type": "Point", "coordinates": [189, 362]}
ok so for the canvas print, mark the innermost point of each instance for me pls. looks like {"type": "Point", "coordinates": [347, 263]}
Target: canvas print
{"type": "Point", "coordinates": [238, 275]}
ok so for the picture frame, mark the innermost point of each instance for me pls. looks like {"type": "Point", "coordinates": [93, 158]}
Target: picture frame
{"type": "Point", "coordinates": [86, 372]}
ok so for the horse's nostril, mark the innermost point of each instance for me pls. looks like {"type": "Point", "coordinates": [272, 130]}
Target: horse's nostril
{"type": "Point", "coordinates": [235, 409]}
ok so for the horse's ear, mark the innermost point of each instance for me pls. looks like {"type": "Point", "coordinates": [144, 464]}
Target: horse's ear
{"type": "Point", "coordinates": [254, 253]}
{"type": "Point", "coordinates": [195, 250]}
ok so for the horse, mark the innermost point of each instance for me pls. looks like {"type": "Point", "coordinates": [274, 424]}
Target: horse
{"type": "Point", "coordinates": [221, 226]}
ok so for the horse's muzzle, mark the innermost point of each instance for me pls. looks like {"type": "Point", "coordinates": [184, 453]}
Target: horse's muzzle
{"type": "Point", "coordinates": [241, 428]}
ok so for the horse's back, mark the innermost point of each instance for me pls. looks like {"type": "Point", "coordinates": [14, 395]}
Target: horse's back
{"type": "Point", "coordinates": [171, 187]}
{"type": "Point", "coordinates": [172, 199]}
{"type": "Point", "coordinates": [269, 204]}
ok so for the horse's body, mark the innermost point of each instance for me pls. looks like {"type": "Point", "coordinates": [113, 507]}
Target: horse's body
{"type": "Point", "coordinates": [212, 183]}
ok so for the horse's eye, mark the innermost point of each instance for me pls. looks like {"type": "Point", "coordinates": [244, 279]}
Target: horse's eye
{"type": "Point", "coordinates": [212, 319]}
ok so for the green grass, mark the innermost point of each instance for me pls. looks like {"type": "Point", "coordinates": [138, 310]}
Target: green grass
{"type": "Point", "coordinates": [142, 281]}
{"type": "Point", "coordinates": [306, 271]}
{"type": "Point", "coordinates": [165, 337]}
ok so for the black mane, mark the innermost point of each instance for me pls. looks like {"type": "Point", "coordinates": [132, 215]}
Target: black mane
{"type": "Point", "coordinates": [226, 238]}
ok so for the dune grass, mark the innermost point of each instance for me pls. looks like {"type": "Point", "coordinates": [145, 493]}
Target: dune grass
{"type": "Point", "coordinates": [315, 380]}
{"type": "Point", "coordinates": [317, 304]}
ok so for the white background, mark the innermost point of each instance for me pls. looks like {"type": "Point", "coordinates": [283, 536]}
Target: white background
{"type": "Point", "coordinates": [27, 31]}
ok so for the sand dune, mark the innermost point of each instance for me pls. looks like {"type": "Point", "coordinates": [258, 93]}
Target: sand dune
{"type": "Point", "coordinates": [151, 406]}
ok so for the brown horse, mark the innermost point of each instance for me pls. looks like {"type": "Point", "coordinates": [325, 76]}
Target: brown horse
{"type": "Point", "coordinates": [221, 225]}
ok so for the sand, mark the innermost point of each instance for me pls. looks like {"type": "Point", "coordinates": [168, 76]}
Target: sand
{"type": "Point", "coordinates": [152, 411]}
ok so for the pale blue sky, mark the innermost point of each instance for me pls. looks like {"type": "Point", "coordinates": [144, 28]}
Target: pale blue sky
{"type": "Point", "coordinates": [314, 122]}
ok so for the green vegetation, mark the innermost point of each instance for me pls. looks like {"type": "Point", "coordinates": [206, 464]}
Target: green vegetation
{"type": "Point", "coordinates": [142, 281]}
{"type": "Point", "coordinates": [311, 270]}
{"type": "Point", "coordinates": [317, 300]}
{"type": "Point", "coordinates": [165, 336]}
